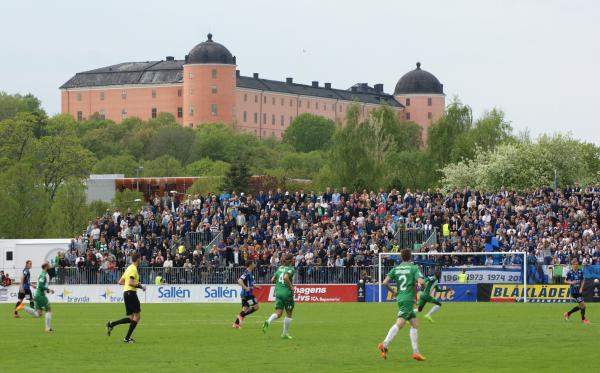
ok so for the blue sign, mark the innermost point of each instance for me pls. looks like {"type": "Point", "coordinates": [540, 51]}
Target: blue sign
{"type": "Point", "coordinates": [457, 293]}
{"type": "Point", "coordinates": [592, 271]}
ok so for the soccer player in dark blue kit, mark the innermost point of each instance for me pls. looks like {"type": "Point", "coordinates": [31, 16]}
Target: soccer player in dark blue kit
{"type": "Point", "coordinates": [249, 303]}
{"type": "Point", "coordinates": [24, 289]}
{"type": "Point", "coordinates": [576, 280]}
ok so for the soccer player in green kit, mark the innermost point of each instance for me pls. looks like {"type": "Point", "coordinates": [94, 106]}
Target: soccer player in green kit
{"type": "Point", "coordinates": [406, 275]}
{"type": "Point", "coordinates": [40, 300]}
{"type": "Point", "coordinates": [284, 295]}
{"type": "Point", "coordinates": [425, 296]}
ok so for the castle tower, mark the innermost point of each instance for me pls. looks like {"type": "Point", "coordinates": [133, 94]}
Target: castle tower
{"type": "Point", "coordinates": [423, 96]}
{"type": "Point", "coordinates": [209, 83]}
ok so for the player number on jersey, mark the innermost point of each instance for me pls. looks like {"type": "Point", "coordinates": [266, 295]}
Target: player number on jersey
{"type": "Point", "coordinates": [402, 282]}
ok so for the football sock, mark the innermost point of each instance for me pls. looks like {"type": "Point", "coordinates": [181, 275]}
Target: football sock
{"type": "Point", "coordinates": [32, 312]}
{"type": "Point", "coordinates": [433, 310]}
{"type": "Point", "coordinates": [125, 320]}
{"type": "Point", "coordinates": [575, 309]}
{"type": "Point", "coordinates": [48, 320]}
{"type": "Point", "coordinates": [391, 334]}
{"type": "Point", "coordinates": [249, 312]}
{"type": "Point", "coordinates": [132, 326]}
{"type": "Point", "coordinates": [286, 325]}
{"type": "Point", "coordinates": [17, 305]}
{"type": "Point", "coordinates": [272, 318]}
{"type": "Point", "coordinates": [583, 314]}
{"type": "Point", "coordinates": [414, 335]}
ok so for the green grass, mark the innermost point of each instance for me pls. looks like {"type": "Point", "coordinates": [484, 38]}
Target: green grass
{"type": "Point", "coordinates": [467, 337]}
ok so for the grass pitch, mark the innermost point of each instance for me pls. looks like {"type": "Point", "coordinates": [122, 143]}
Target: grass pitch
{"type": "Point", "coordinates": [466, 337]}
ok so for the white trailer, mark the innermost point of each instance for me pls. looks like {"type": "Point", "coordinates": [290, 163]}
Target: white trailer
{"type": "Point", "coordinates": [14, 253]}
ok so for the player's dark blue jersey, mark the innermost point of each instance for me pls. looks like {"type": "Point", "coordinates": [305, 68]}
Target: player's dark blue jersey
{"type": "Point", "coordinates": [248, 280]}
{"type": "Point", "coordinates": [26, 279]}
{"type": "Point", "coordinates": [577, 278]}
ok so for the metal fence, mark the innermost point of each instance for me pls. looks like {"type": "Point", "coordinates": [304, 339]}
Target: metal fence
{"type": "Point", "coordinates": [414, 238]}
{"type": "Point", "coordinates": [192, 239]}
{"type": "Point", "coordinates": [213, 275]}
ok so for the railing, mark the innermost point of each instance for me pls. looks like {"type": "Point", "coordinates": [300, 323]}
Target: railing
{"type": "Point", "coordinates": [212, 275]}
{"type": "Point", "coordinates": [192, 239]}
{"type": "Point", "coordinates": [414, 238]}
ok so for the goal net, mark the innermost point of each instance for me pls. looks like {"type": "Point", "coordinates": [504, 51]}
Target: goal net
{"type": "Point", "coordinates": [480, 270]}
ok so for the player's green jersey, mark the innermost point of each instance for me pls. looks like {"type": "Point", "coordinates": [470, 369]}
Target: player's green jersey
{"type": "Point", "coordinates": [405, 276]}
{"type": "Point", "coordinates": [281, 289]}
{"type": "Point", "coordinates": [42, 284]}
{"type": "Point", "coordinates": [430, 282]}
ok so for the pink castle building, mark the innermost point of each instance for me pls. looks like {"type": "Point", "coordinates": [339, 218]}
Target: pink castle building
{"type": "Point", "coordinates": [206, 87]}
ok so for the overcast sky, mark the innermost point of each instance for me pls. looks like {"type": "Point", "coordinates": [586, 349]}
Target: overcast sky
{"type": "Point", "coordinates": [539, 61]}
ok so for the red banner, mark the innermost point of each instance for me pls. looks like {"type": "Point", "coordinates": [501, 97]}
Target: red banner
{"type": "Point", "coordinates": [311, 293]}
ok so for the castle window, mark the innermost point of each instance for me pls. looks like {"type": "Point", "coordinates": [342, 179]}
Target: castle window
{"type": "Point", "coordinates": [291, 102]}
{"type": "Point", "coordinates": [264, 118]}
{"type": "Point", "coordinates": [214, 109]}
{"type": "Point", "coordinates": [123, 113]}
{"type": "Point", "coordinates": [255, 117]}
{"type": "Point", "coordinates": [255, 99]}
{"type": "Point", "coordinates": [153, 112]}
{"type": "Point", "coordinates": [191, 75]}
{"type": "Point", "coordinates": [79, 97]}
{"type": "Point", "coordinates": [428, 101]}
{"type": "Point", "coordinates": [191, 125]}
{"type": "Point", "coordinates": [308, 104]}
{"type": "Point", "coordinates": [213, 89]}
{"type": "Point", "coordinates": [273, 101]}
{"type": "Point", "coordinates": [407, 116]}
{"type": "Point", "coordinates": [408, 102]}
{"type": "Point", "coordinates": [101, 96]}
{"type": "Point", "coordinates": [191, 112]}
{"type": "Point", "coordinates": [179, 112]}
{"type": "Point", "coordinates": [245, 117]}
{"type": "Point", "coordinates": [429, 115]}
{"type": "Point", "coordinates": [214, 73]}
{"type": "Point", "coordinates": [79, 115]}
{"type": "Point", "coordinates": [282, 101]}
{"type": "Point", "coordinates": [282, 120]}
{"type": "Point", "coordinates": [264, 99]}
{"type": "Point", "coordinates": [124, 95]}
{"type": "Point", "coordinates": [317, 105]}
{"type": "Point", "coordinates": [191, 91]}
{"type": "Point", "coordinates": [273, 119]}
{"type": "Point", "coordinates": [245, 97]}
{"type": "Point", "coordinates": [102, 114]}
{"type": "Point", "coordinates": [179, 92]}
{"type": "Point", "coordinates": [154, 93]}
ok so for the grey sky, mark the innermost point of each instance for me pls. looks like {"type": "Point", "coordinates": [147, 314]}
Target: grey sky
{"type": "Point", "coordinates": [537, 60]}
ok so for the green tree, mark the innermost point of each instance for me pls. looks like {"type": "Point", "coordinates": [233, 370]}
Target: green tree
{"type": "Point", "coordinates": [57, 158]}
{"type": "Point", "coordinates": [25, 202]}
{"type": "Point", "coordinates": [172, 140]}
{"type": "Point", "coordinates": [128, 199]}
{"type": "Point", "coordinates": [10, 105]}
{"type": "Point", "coordinates": [206, 184]}
{"type": "Point", "coordinates": [236, 179]}
{"type": "Point", "coordinates": [16, 138]}
{"type": "Point", "coordinates": [215, 141]}
{"type": "Point", "coordinates": [207, 167]}
{"type": "Point", "coordinates": [68, 215]}
{"type": "Point", "coordinates": [165, 166]}
{"type": "Point", "coordinates": [446, 132]}
{"type": "Point", "coordinates": [117, 164]}
{"type": "Point", "coordinates": [309, 132]}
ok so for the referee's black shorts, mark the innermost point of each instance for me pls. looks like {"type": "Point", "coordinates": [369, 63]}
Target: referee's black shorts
{"type": "Point", "coordinates": [132, 303]}
{"type": "Point", "coordinates": [24, 293]}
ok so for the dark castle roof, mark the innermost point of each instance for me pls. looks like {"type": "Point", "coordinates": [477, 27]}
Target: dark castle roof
{"type": "Point", "coordinates": [418, 81]}
{"type": "Point", "coordinates": [210, 52]}
{"type": "Point", "coordinates": [171, 71]}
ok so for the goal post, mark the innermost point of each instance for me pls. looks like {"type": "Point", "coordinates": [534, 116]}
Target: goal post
{"type": "Point", "coordinates": [480, 267]}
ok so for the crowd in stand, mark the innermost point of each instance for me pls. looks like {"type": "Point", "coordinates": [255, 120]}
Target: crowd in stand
{"type": "Point", "coordinates": [341, 229]}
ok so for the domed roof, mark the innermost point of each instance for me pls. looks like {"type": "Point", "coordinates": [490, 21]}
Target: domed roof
{"type": "Point", "coordinates": [210, 52]}
{"type": "Point", "coordinates": [418, 81]}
